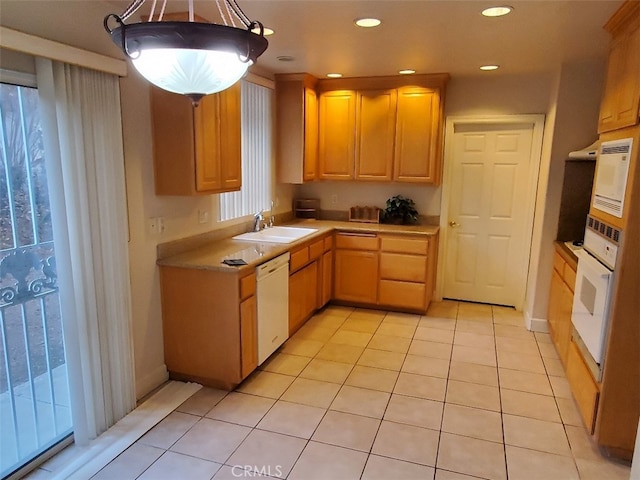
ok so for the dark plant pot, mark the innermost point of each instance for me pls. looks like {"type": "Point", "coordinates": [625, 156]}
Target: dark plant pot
{"type": "Point", "coordinates": [394, 221]}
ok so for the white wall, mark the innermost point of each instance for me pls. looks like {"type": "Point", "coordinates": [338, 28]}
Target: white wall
{"type": "Point", "coordinates": [572, 125]}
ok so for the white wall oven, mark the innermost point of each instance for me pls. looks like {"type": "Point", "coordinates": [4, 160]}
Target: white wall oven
{"type": "Point", "coordinates": [594, 282]}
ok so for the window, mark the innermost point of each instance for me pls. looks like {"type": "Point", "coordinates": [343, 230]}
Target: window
{"type": "Point", "coordinates": [257, 126]}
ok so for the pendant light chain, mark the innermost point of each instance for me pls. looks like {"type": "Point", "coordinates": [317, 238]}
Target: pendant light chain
{"type": "Point", "coordinates": [221, 13]}
{"type": "Point", "coordinates": [132, 8]}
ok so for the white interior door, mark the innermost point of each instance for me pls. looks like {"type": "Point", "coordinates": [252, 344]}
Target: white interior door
{"type": "Point", "coordinates": [491, 184]}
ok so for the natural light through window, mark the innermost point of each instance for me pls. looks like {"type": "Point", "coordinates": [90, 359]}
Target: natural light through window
{"type": "Point", "coordinates": [255, 195]}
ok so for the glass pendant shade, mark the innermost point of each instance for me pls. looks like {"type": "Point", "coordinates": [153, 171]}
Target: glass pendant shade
{"type": "Point", "coordinates": [188, 71]}
{"type": "Point", "coordinates": [189, 58]}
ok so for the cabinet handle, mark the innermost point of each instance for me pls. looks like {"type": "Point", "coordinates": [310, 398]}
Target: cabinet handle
{"type": "Point", "coordinates": [353, 234]}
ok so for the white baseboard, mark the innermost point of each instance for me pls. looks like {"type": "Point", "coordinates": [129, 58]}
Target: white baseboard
{"type": "Point", "coordinates": [148, 383]}
{"type": "Point", "coordinates": [535, 324]}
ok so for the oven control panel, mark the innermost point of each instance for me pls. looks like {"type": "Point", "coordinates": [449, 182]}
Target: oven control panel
{"type": "Point", "coordinates": [601, 240]}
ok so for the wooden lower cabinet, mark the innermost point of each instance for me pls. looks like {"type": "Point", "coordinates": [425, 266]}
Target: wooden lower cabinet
{"type": "Point", "coordinates": [303, 297]}
{"type": "Point", "coordinates": [248, 336]}
{"type": "Point", "coordinates": [386, 270]}
{"type": "Point", "coordinates": [355, 276]}
{"type": "Point", "coordinates": [209, 325]}
{"type": "Point", "coordinates": [406, 268]}
{"type": "Point", "coordinates": [559, 316]}
{"type": "Point", "coordinates": [563, 279]}
{"type": "Point", "coordinates": [325, 278]}
{"type": "Point", "coordinates": [584, 388]}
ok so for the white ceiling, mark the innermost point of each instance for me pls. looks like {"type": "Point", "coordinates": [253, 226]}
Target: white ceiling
{"type": "Point", "coordinates": [429, 36]}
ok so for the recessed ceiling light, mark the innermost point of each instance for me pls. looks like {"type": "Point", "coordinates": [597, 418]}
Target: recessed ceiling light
{"type": "Point", "coordinates": [266, 31]}
{"type": "Point", "coordinates": [497, 11]}
{"type": "Point", "coordinates": [285, 58]}
{"type": "Point", "coordinates": [406, 71]}
{"type": "Point", "coordinates": [367, 22]}
{"type": "Point", "coordinates": [488, 68]}
{"type": "Point", "coordinates": [334, 75]}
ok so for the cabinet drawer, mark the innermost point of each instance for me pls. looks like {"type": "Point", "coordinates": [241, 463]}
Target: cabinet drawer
{"type": "Point", "coordinates": [247, 286]}
{"type": "Point", "coordinates": [357, 241]}
{"type": "Point", "coordinates": [558, 263]}
{"type": "Point", "coordinates": [417, 246]}
{"type": "Point", "coordinates": [316, 249]}
{"type": "Point", "coordinates": [328, 242]}
{"type": "Point", "coordinates": [570, 277]}
{"type": "Point", "coordinates": [398, 266]}
{"type": "Point", "coordinates": [298, 258]}
{"type": "Point", "coordinates": [584, 388]}
{"type": "Point", "coordinates": [402, 294]}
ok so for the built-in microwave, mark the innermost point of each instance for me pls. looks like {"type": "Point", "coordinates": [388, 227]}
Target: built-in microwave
{"type": "Point", "coordinates": [611, 176]}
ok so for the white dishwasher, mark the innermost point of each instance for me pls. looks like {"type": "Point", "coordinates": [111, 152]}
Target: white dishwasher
{"type": "Point", "coordinates": [272, 279]}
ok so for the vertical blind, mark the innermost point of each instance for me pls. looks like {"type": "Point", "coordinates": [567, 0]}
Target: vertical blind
{"type": "Point", "coordinates": [257, 125]}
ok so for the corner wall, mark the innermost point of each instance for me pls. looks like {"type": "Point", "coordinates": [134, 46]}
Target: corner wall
{"type": "Point", "coordinates": [572, 124]}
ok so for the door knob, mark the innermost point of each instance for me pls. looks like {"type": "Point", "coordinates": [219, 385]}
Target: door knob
{"type": "Point", "coordinates": [454, 224]}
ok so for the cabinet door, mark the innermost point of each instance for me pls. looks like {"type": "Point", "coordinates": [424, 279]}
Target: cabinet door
{"type": "Point", "coordinates": [172, 128]}
{"type": "Point", "coordinates": [621, 99]}
{"type": "Point", "coordinates": [207, 143]}
{"type": "Point", "coordinates": [230, 138]}
{"type": "Point", "coordinates": [356, 276]}
{"type": "Point", "coordinates": [417, 147]}
{"type": "Point", "coordinates": [325, 277]}
{"type": "Point", "coordinates": [376, 119]}
{"type": "Point", "coordinates": [310, 167]}
{"type": "Point", "coordinates": [584, 388]}
{"type": "Point", "coordinates": [248, 336]}
{"type": "Point", "coordinates": [559, 315]}
{"type": "Point", "coordinates": [337, 127]}
{"type": "Point", "coordinates": [303, 295]}
{"type": "Point", "coordinates": [217, 141]}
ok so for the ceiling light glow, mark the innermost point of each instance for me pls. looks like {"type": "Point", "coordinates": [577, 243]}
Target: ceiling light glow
{"type": "Point", "coordinates": [406, 71]}
{"type": "Point", "coordinates": [334, 75]}
{"type": "Point", "coordinates": [367, 22]}
{"type": "Point", "coordinates": [497, 11]}
{"type": "Point", "coordinates": [488, 68]}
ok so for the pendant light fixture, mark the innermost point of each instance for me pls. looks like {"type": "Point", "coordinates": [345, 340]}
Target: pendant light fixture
{"type": "Point", "coordinates": [188, 57]}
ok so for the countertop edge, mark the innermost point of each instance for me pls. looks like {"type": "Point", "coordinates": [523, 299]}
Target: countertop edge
{"type": "Point", "coordinates": [210, 256]}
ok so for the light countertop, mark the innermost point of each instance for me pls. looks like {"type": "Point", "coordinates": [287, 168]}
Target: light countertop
{"type": "Point", "coordinates": [211, 255]}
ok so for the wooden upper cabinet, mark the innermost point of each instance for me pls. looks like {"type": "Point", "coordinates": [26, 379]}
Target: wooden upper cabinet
{"type": "Point", "coordinates": [418, 130]}
{"type": "Point", "coordinates": [297, 128]}
{"type": "Point", "coordinates": [621, 100]}
{"type": "Point", "coordinates": [196, 150]}
{"type": "Point", "coordinates": [376, 126]}
{"type": "Point", "coordinates": [337, 127]}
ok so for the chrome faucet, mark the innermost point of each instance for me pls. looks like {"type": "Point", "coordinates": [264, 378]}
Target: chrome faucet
{"type": "Point", "coordinates": [258, 218]}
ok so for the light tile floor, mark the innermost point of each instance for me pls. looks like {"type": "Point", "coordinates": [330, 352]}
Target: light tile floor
{"type": "Point", "coordinates": [464, 392]}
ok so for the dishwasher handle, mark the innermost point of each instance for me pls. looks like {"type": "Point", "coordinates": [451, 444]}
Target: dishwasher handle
{"type": "Point", "coordinates": [272, 265]}
{"type": "Point", "coordinates": [357, 234]}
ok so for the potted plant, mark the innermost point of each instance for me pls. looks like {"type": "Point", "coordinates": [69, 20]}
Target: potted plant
{"type": "Point", "coordinates": [400, 210]}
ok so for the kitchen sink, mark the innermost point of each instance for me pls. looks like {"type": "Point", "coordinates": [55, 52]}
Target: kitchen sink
{"type": "Point", "coordinates": [278, 234]}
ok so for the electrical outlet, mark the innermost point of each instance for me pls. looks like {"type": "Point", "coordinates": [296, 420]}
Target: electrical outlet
{"type": "Point", "coordinates": [155, 225]}
{"type": "Point", "coordinates": [152, 225]}
{"type": "Point", "coordinates": [334, 199]}
{"type": "Point", "coordinates": [203, 216]}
